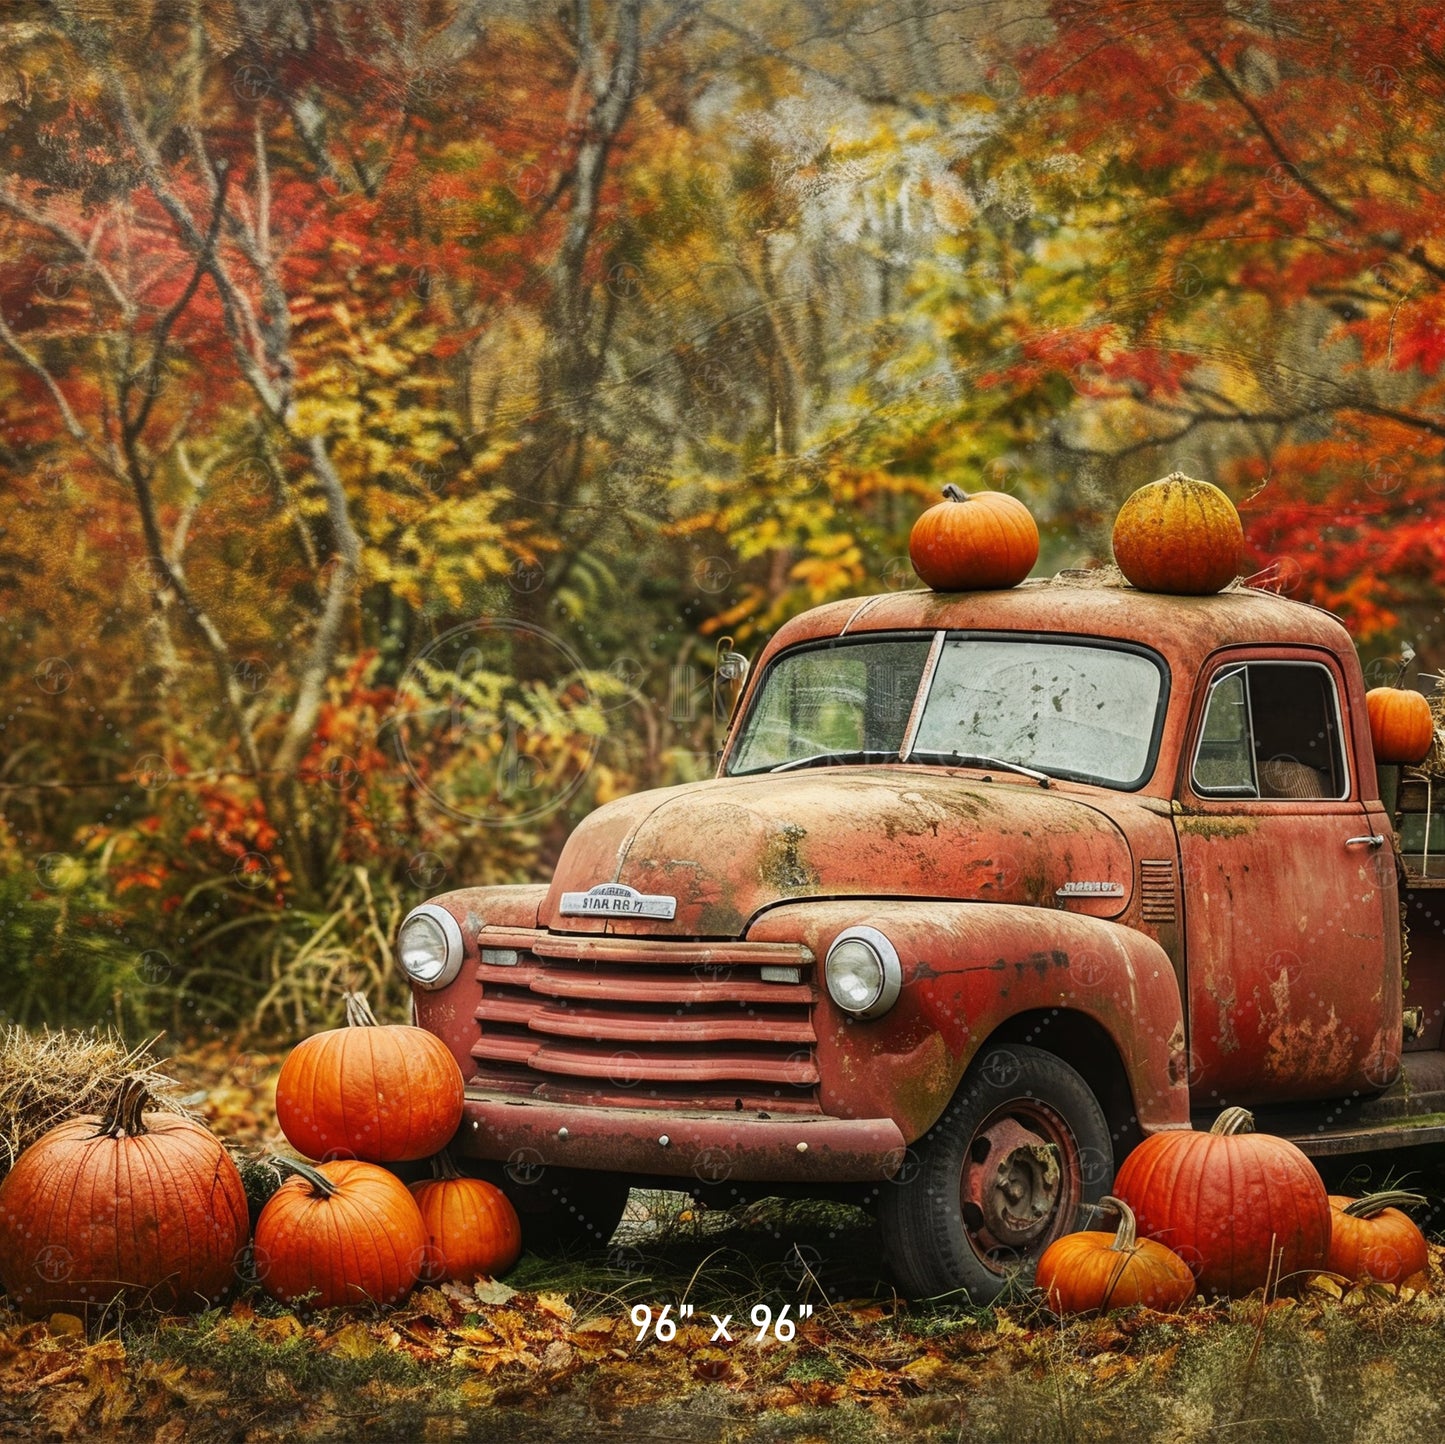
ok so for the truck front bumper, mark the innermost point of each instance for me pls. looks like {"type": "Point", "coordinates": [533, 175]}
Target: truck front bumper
{"type": "Point", "coordinates": [710, 1147]}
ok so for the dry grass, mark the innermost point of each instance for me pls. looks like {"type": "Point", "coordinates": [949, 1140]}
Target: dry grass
{"type": "Point", "coordinates": [48, 1077]}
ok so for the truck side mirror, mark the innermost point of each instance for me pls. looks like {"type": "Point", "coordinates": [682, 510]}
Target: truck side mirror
{"type": "Point", "coordinates": [730, 675]}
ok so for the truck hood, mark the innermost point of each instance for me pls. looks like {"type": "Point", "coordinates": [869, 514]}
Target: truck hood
{"type": "Point", "coordinates": [727, 848]}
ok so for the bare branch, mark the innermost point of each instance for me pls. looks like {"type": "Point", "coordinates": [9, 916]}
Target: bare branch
{"type": "Point", "coordinates": [33, 364]}
{"type": "Point", "coordinates": [150, 378]}
{"type": "Point", "coordinates": [321, 657]}
{"type": "Point", "coordinates": [75, 241]}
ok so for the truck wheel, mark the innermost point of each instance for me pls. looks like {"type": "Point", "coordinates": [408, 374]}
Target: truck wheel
{"type": "Point", "coordinates": [1001, 1175]}
{"type": "Point", "coordinates": [563, 1210]}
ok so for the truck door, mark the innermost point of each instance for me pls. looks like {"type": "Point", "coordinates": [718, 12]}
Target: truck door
{"type": "Point", "coordinates": [1292, 953]}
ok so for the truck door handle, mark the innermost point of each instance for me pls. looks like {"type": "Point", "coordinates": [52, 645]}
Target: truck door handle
{"type": "Point", "coordinates": [1374, 840]}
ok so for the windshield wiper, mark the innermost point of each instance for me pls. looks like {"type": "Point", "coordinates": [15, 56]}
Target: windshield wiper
{"type": "Point", "coordinates": [976, 759]}
{"type": "Point", "coordinates": [853, 755]}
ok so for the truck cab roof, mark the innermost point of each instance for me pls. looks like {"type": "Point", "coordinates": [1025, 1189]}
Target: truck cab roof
{"type": "Point", "coordinates": [1184, 630]}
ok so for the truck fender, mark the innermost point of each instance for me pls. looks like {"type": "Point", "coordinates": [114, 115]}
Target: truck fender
{"type": "Point", "coordinates": [970, 968]}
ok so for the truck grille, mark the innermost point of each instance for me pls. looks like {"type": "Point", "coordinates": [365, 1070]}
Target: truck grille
{"type": "Point", "coordinates": [637, 1021]}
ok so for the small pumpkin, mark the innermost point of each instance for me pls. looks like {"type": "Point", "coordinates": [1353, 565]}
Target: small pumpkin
{"type": "Point", "coordinates": [472, 1228]}
{"type": "Point", "coordinates": [1094, 1271]}
{"type": "Point", "coordinates": [986, 540]}
{"type": "Point", "coordinates": [1402, 727]}
{"type": "Point", "coordinates": [385, 1093]}
{"type": "Point", "coordinates": [143, 1207]}
{"type": "Point", "coordinates": [338, 1235]}
{"type": "Point", "coordinates": [1178, 535]}
{"type": "Point", "coordinates": [1244, 1210]}
{"type": "Point", "coordinates": [1371, 1240]}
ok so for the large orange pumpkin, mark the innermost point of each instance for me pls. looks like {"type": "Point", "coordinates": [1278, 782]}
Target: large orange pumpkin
{"type": "Point", "coordinates": [144, 1207]}
{"type": "Point", "coordinates": [384, 1093]}
{"type": "Point", "coordinates": [1402, 727]}
{"type": "Point", "coordinates": [1370, 1239]}
{"type": "Point", "coordinates": [341, 1234]}
{"type": "Point", "coordinates": [1178, 535]}
{"type": "Point", "coordinates": [471, 1226]}
{"type": "Point", "coordinates": [984, 541]}
{"type": "Point", "coordinates": [1092, 1272]}
{"type": "Point", "coordinates": [1244, 1210]}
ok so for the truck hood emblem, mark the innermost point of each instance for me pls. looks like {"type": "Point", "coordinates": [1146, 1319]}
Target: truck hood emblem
{"type": "Point", "coordinates": [615, 899]}
{"type": "Point", "coordinates": [1081, 888]}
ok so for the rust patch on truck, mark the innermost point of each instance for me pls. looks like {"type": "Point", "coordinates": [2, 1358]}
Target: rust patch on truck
{"type": "Point", "coordinates": [781, 866]}
{"type": "Point", "coordinates": [1307, 1047]}
{"type": "Point", "coordinates": [1216, 827]}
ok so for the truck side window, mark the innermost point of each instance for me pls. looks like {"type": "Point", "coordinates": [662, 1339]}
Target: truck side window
{"type": "Point", "coordinates": [1271, 731]}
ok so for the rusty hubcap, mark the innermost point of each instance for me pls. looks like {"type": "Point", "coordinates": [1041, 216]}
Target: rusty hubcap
{"type": "Point", "coordinates": [1021, 1183]}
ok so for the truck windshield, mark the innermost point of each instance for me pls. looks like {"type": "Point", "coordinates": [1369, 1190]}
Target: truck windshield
{"type": "Point", "coordinates": [1068, 709]}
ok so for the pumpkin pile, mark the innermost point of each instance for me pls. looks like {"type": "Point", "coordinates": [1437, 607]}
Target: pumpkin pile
{"type": "Point", "coordinates": [147, 1209]}
{"type": "Point", "coordinates": [353, 1098]}
{"type": "Point", "coordinates": [1178, 535]}
{"type": "Point", "coordinates": [1227, 1212]}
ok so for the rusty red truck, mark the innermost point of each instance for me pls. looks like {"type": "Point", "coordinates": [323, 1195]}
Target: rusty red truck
{"type": "Point", "coordinates": [988, 886]}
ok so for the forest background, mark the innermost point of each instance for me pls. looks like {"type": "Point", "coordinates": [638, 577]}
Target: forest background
{"type": "Point", "coordinates": [401, 404]}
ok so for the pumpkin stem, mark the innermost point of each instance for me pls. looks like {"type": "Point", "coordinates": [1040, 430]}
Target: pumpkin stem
{"type": "Point", "coordinates": [1374, 1203]}
{"type": "Point", "coordinates": [443, 1165]}
{"type": "Point", "coordinates": [954, 493]}
{"type": "Point", "coordinates": [321, 1186]}
{"type": "Point", "coordinates": [1126, 1238]}
{"type": "Point", "coordinates": [125, 1113]}
{"type": "Point", "coordinates": [1234, 1120]}
{"type": "Point", "coordinates": [358, 1011]}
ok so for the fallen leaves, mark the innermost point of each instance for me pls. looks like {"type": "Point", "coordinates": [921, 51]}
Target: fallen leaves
{"type": "Point", "coordinates": [454, 1347]}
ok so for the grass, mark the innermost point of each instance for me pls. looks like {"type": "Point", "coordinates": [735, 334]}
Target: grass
{"type": "Point", "coordinates": [1318, 1374]}
{"type": "Point", "coordinates": [533, 1367]}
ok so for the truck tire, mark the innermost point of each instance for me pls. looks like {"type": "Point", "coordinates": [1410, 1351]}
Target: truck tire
{"type": "Point", "coordinates": [1022, 1146]}
{"type": "Point", "coordinates": [562, 1210]}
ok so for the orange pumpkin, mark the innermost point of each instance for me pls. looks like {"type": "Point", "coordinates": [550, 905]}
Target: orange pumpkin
{"type": "Point", "coordinates": [1092, 1272]}
{"type": "Point", "coordinates": [472, 1228]}
{"type": "Point", "coordinates": [343, 1234]}
{"type": "Point", "coordinates": [144, 1207]}
{"type": "Point", "coordinates": [1402, 727]}
{"type": "Point", "coordinates": [1178, 535]}
{"type": "Point", "coordinates": [1370, 1239]}
{"type": "Point", "coordinates": [386, 1094]}
{"type": "Point", "coordinates": [984, 541]}
{"type": "Point", "coordinates": [1244, 1210]}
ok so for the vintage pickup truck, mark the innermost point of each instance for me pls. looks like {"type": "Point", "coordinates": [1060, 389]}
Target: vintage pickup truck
{"type": "Point", "coordinates": [988, 886]}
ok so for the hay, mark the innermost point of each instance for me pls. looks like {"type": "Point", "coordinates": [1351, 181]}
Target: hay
{"type": "Point", "coordinates": [1107, 575]}
{"type": "Point", "coordinates": [48, 1077]}
{"type": "Point", "coordinates": [1432, 766]}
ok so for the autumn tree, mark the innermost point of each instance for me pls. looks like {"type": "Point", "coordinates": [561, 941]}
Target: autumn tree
{"type": "Point", "coordinates": [1216, 233]}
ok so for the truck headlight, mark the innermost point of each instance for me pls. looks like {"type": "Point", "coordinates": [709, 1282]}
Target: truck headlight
{"type": "Point", "coordinates": [863, 973]}
{"type": "Point", "coordinates": [429, 946]}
